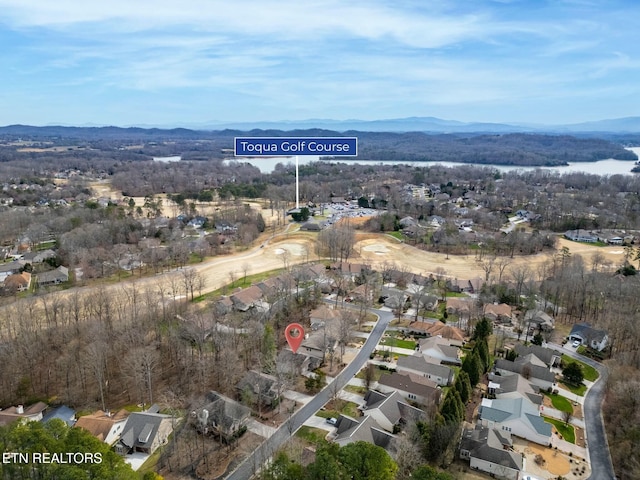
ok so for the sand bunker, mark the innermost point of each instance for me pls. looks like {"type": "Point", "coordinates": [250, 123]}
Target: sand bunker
{"type": "Point", "coordinates": [377, 248]}
{"type": "Point", "coordinates": [291, 248]}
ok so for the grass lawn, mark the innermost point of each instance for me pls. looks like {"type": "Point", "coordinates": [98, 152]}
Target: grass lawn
{"type": "Point", "coordinates": [590, 373]}
{"type": "Point", "coordinates": [348, 408]}
{"type": "Point", "coordinates": [560, 403]}
{"type": "Point", "coordinates": [397, 342]}
{"type": "Point", "coordinates": [376, 373]}
{"type": "Point", "coordinates": [311, 434]}
{"type": "Point", "coordinates": [355, 389]}
{"type": "Point", "coordinates": [397, 235]}
{"type": "Point", "coordinates": [456, 294]}
{"type": "Point", "coordinates": [566, 431]}
{"type": "Point", "coordinates": [240, 283]}
{"type": "Point", "coordinates": [581, 390]}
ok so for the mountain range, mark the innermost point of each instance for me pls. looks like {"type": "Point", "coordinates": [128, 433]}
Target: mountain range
{"type": "Point", "coordinates": [432, 125]}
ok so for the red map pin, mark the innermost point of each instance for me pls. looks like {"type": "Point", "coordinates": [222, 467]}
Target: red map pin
{"type": "Point", "coordinates": [295, 335]}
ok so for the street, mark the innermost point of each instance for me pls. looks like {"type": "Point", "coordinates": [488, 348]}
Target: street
{"type": "Point", "coordinates": [252, 464]}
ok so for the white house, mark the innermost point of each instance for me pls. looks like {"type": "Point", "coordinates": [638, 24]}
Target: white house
{"type": "Point", "coordinates": [591, 337]}
{"type": "Point", "coordinates": [516, 415]}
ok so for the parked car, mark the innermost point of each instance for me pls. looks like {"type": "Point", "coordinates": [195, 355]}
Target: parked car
{"type": "Point", "coordinates": [332, 421]}
{"type": "Point", "coordinates": [576, 343]}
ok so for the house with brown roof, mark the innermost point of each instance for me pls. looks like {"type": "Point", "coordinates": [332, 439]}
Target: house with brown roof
{"type": "Point", "coordinates": [460, 306]}
{"type": "Point", "coordinates": [17, 282]}
{"type": "Point", "coordinates": [437, 329]}
{"type": "Point", "coordinates": [246, 298]}
{"type": "Point", "coordinates": [31, 413]}
{"type": "Point", "coordinates": [105, 426]}
{"type": "Point", "coordinates": [498, 312]}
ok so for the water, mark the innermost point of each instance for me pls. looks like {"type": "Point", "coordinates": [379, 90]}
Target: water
{"type": "Point", "coordinates": [601, 167]}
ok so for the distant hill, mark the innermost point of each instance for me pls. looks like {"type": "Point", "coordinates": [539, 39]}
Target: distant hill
{"type": "Point", "coordinates": [526, 149]}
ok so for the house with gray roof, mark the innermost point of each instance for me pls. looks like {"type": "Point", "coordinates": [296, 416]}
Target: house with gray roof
{"type": "Point", "coordinates": [506, 386]}
{"type": "Point", "coordinates": [53, 277]}
{"type": "Point", "coordinates": [413, 387]}
{"type": "Point", "coordinates": [221, 416]}
{"type": "Point", "coordinates": [440, 349]}
{"type": "Point", "coordinates": [61, 412]}
{"type": "Point", "coordinates": [366, 429]}
{"type": "Point", "coordinates": [389, 410]}
{"type": "Point", "coordinates": [144, 432]}
{"type": "Point", "coordinates": [490, 450]}
{"type": "Point", "coordinates": [261, 386]}
{"type": "Point", "coordinates": [589, 336]}
{"type": "Point", "coordinates": [539, 320]}
{"type": "Point", "coordinates": [432, 370]}
{"type": "Point", "coordinates": [550, 357]}
{"type": "Point", "coordinates": [516, 415]}
{"type": "Point", "coordinates": [530, 367]}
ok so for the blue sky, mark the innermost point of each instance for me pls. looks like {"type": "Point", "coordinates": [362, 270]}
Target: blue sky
{"type": "Point", "coordinates": [194, 62]}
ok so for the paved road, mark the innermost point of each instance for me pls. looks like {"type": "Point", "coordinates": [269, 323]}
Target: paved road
{"type": "Point", "coordinates": [599, 455]}
{"type": "Point", "coordinates": [258, 457]}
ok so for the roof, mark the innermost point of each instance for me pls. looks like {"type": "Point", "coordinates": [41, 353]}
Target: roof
{"type": "Point", "coordinates": [17, 280]}
{"type": "Point", "coordinates": [59, 274]}
{"type": "Point", "coordinates": [547, 355]}
{"type": "Point", "coordinates": [392, 406]}
{"type": "Point", "coordinates": [489, 444]}
{"type": "Point", "coordinates": [515, 384]}
{"type": "Point", "coordinates": [141, 429]}
{"type": "Point", "coordinates": [367, 430]}
{"type": "Point", "coordinates": [246, 297]}
{"type": "Point", "coordinates": [62, 412]}
{"type": "Point", "coordinates": [504, 409]}
{"type": "Point", "coordinates": [100, 423]}
{"type": "Point", "coordinates": [442, 345]}
{"type": "Point", "coordinates": [500, 309]}
{"type": "Point", "coordinates": [588, 333]}
{"type": "Point", "coordinates": [258, 382]}
{"type": "Point", "coordinates": [224, 411]}
{"type": "Point", "coordinates": [460, 304]}
{"type": "Point", "coordinates": [535, 371]}
{"type": "Point", "coordinates": [419, 363]}
{"type": "Point", "coordinates": [10, 414]}
{"type": "Point", "coordinates": [411, 383]}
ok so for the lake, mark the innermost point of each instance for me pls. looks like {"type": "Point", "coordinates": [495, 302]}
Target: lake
{"type": "Point", "coordinates": [601, 167]}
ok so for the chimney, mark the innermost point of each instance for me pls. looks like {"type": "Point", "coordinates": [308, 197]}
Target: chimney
{"type": "Point", "coordinates": [20, 409]}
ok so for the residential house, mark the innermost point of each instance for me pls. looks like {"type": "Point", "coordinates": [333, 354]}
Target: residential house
{"type": "Point", "coordinates": [531, 368]}
{"type": "Point", "coordinates": [17, 282]}
{"type": "Point", "coordinates": [221, 416]}
{"type": "Point", "coordinates": [460, 306]}
{"type": "Point", "coordinates": [144, 432]}
{"type": "Point", "coordinates": [517, 416]}
{"type": "Point", "coordinates": [105, 426]}
{"type": "Point", "coordinates": [539, 320]}
{"type": "Point", "coordinates": [443, 349]}
{"type": "Point", "coordinates": [261, 388]}
{"type": "Point", "coordinates": [31, 413]}
{"type": "Point", "coordinates": [53, 277]}
{"type": "Point", "coordinates": [589, 336]}
{"type": "Point", "coordinates": [491, 451]}
{"type": "Point", "coordinates": [580, 236]}
{"type": "Point", "coordinates": [411, 386]}
{"type": "Point", "coordinates": [390, 410]}
{"type": "Point", "coordinates": [393, 298]}
{"type": "Point", "coordinates": [550, 357]}
{"type": "Point", "coordinates": [61, 412]}
{"type": "Point", "coordinates": [418, 365]}
{"type": "Point", "coordinates": [10, 268]}
{"type": "Point", "coordinates": [246, 298]}
{"type": "Point", "coordinates": [38, 257]}
{"type": "Point", "coordinates": [512, 384]}
{"type": "Point", "coordinates": [498, 312]}
{"type": "Point", "coordinates": [366, 429]}
{"type": "Point", "coordinates": [437, 329]}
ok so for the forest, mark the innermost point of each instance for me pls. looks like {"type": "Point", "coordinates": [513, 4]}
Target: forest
{"type": "Point", "coordinates": [497, 149]}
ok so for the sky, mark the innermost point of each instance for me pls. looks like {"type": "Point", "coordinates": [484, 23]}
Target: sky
{"type": "Point", "coordinates": [204, 62]}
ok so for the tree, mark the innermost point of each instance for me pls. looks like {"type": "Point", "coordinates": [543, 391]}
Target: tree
{"type": "Point", "coordinates": [537, 339]}
{"type": "Point", "coordinates": [472, 365]}
{"type": "Point", "coordinates": [573, 374]}
{"type": "Point", "coordinates": [90, 458]}
{"type": "Point", "coordinates": [483, 329]}
{"type": "Point", "coordinates": [365, 461]}
{"type": "Point", "coordinates": [302, 215]}
{"type": "Point", "coordinates": [426, 472]}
